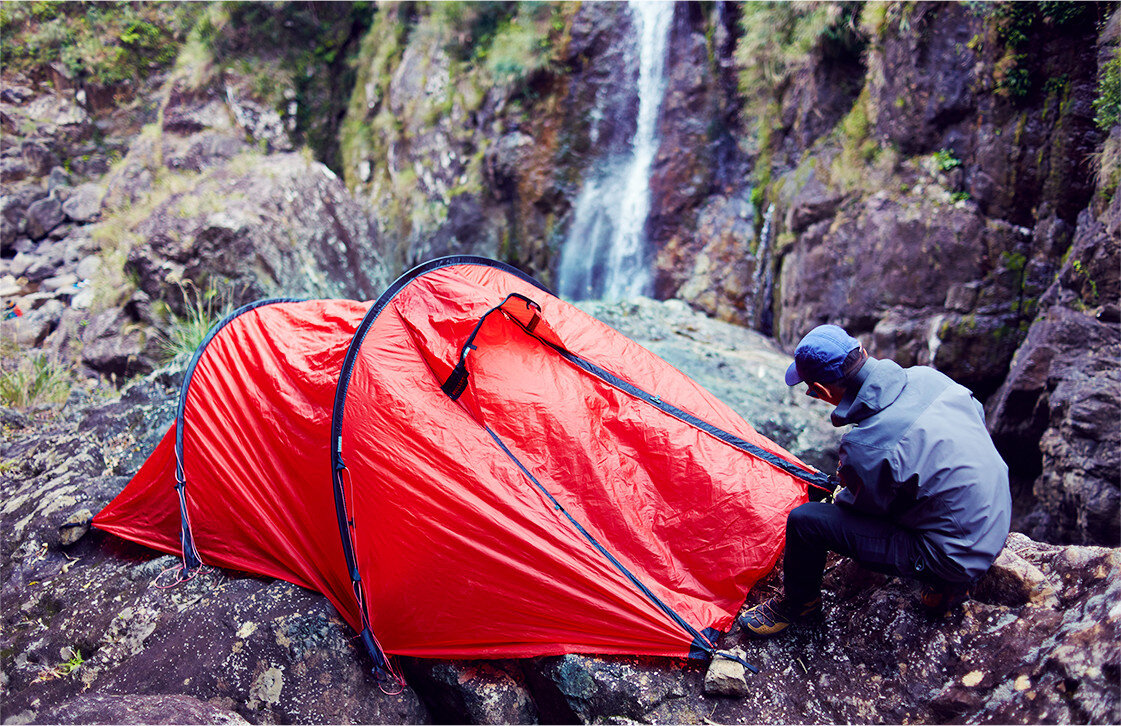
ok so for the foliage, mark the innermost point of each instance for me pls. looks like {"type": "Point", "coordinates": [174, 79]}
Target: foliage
{"type": "Point", "coordinates": [62, 669]}
{"type": "Point", "coordinates": [778, 38]}
{"type": "Point", "coordinates": [1107, 105]}
{"type": "Point", "coordinates": [107, 42]}
{"type": "Point", "coordinates": [186, 333]}
{"type": "Point", "coordinates": [1080, 271]}
{"type": "Point", "coordinates": [945, 160]}
{"type": "Point", "coordinates": [472, 26]}
{"type": "Point", "coordinates": [34, 380]}
{"type": "Point", "coordinates": [776, 43]}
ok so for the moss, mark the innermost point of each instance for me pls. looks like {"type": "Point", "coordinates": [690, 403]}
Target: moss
{"type": "Point", "coordinates": [1013, 261]}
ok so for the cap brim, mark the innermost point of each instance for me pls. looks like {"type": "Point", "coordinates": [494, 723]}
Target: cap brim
{"type": "Point", "coordinates": [792, 377]}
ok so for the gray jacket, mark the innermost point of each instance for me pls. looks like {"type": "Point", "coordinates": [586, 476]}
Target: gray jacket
{"type": "Point", "coordinates": [920, 454]}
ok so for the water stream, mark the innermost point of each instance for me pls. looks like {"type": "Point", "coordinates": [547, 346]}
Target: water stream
{"type": "Point", "coordinates": [605, 255]}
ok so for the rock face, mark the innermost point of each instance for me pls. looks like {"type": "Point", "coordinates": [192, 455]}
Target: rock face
{"type": "Point", "coordinates": [205, 211]}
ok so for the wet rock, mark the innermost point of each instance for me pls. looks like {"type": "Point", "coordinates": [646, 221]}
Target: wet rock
{"type": "Point", "coordinates": [43, 216]}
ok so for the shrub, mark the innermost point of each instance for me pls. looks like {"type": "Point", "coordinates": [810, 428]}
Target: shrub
{"type": "Point", "coordinates": [186, 333]}
{"type": "Point", "coordinates": [35, 380]}
{"type": "Point", "coordinates": [1107, 105]}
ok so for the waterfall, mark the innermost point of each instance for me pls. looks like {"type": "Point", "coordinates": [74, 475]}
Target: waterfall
{"type": "Point", "coordinates": [605, 255]}
{"type": "Point", "coordinates": [764, 278]}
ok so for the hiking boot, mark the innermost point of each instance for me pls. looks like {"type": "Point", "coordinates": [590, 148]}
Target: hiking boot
{"type": "Point", "coordinates": [771, 617]}
{"type": "Point", "coordinates": [941, 598]}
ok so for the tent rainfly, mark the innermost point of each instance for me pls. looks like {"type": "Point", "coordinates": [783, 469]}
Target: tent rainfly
{"type": "Point", "coordinates": [469, 467]}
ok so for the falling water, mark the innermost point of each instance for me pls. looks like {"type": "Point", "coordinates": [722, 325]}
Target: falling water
{"type": "Point", "coordinates": [764, 274]}
{"type": "Point", "coordinates": [605, 255]}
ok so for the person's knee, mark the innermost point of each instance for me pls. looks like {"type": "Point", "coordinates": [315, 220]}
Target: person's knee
{"type": "Point", "coordinates": [807, 518]}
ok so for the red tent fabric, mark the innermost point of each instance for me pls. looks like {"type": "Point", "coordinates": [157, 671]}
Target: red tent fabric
{"type": "Point", "coordinates": [573, 493]}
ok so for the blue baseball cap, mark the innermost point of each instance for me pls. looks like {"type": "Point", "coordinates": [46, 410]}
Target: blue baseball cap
{"type": "Point", "coordinates": [823, 356]}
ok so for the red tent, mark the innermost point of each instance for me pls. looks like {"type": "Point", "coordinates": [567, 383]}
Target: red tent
{"type": "Point", "coordinates": [509, 476]}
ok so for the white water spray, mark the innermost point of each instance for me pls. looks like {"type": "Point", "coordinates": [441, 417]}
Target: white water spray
{"type": "Point", "coordinates": [605, 255]}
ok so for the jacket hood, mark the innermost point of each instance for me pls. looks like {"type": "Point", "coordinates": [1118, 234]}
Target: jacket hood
{"type": "Point", "coordinates": [881, 382]}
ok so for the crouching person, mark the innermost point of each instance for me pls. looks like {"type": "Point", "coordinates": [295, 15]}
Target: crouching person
{"type": "Point", "coordinates": [924, 492]}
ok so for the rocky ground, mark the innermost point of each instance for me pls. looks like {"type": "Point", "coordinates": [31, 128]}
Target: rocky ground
{"type": "Point", "coordinates": [91, 635]}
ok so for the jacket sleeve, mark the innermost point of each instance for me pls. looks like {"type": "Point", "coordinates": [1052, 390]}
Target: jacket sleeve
{"type": "Point", "coordinates": [868, 480]}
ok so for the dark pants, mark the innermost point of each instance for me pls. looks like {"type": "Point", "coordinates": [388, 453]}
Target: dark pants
{"type": "Point", "coordinates": [816, 528]}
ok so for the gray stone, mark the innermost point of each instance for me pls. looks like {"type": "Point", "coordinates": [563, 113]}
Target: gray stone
{"type": "Point", "coordinates": [43, 216]}
{"type": "Point", "coordinates": [61, 282]}
{"type": "Point", "coordinates": [9, 287]}
{"type": "Point", "coordinates": [726, 677]}
{"type": "Point", "coordinates": [139, 709]}
{"type": "Point", "coordinates": [58, 179]}
{"type": "Point", "coordinates": [88, 267]}
{"type": "Point", "coordinates": [37, 157]}
{"type": "Point", "coordinates": [84, 203]}
{"type": "Point", "coordinates": [75, 527]}
{"type": "Point", "coordinates": [13, 170]}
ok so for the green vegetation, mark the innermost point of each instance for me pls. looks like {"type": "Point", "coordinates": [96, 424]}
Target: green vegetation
{"type": "Point", "coordinates": [469, 55]}
{"type": "Point", "coordinates": [1014, 24]}
{"type": "Point", "coordinates": [776, 44]}
{"type": "Point", "coordinates": [1080, 271]}
{"type": "Point", "coordinates": [945, 160]}
{"type": "Point", "coordinates": [186, 333]}
{"type": "Point", "coordinates": [62, 669]}
{"type": "Point", "coordinates": [29, 380]}
{"type": "Point", "coordinates": [106, 42]}
{"type": "Point", "coordinates": [1107, 105]}
{"type": "Point", "coordinates": [778, 37]}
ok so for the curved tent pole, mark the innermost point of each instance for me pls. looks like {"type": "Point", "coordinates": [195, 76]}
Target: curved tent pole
{"type": "Point", "coordinates": [191, 558]}
{"type": "Point", "coordinates": [382, 667]}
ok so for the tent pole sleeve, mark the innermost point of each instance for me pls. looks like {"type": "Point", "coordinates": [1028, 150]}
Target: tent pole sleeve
{"type": "Point", "coordinates": [191, 558]}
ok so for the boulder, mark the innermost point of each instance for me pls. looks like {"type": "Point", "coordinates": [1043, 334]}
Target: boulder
{"type": "Point", "coordinates": [38, 158]}
{"type": "Point", "coordinates": [473, 691]}
{"type": "Point", "coordinates": [1057, 417]}
{"type": "Point", "coordinates": [114, 345]}
{"type": "Point", "coordinates": [219, 645]}
{"type": "Point", "coordinates": [43, 216]}
{"type": "Point", "coordinates": [84, 204]}
{"type": "Point", "coordinates": [727, 677]}
{"type": "Point", "coordinates": [284, 227]}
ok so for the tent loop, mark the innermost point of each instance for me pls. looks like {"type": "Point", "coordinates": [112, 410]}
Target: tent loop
{"type": "Point", "coordinates": [456, 383]}
{"type": "Point", "coordinates": [732, 656]}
